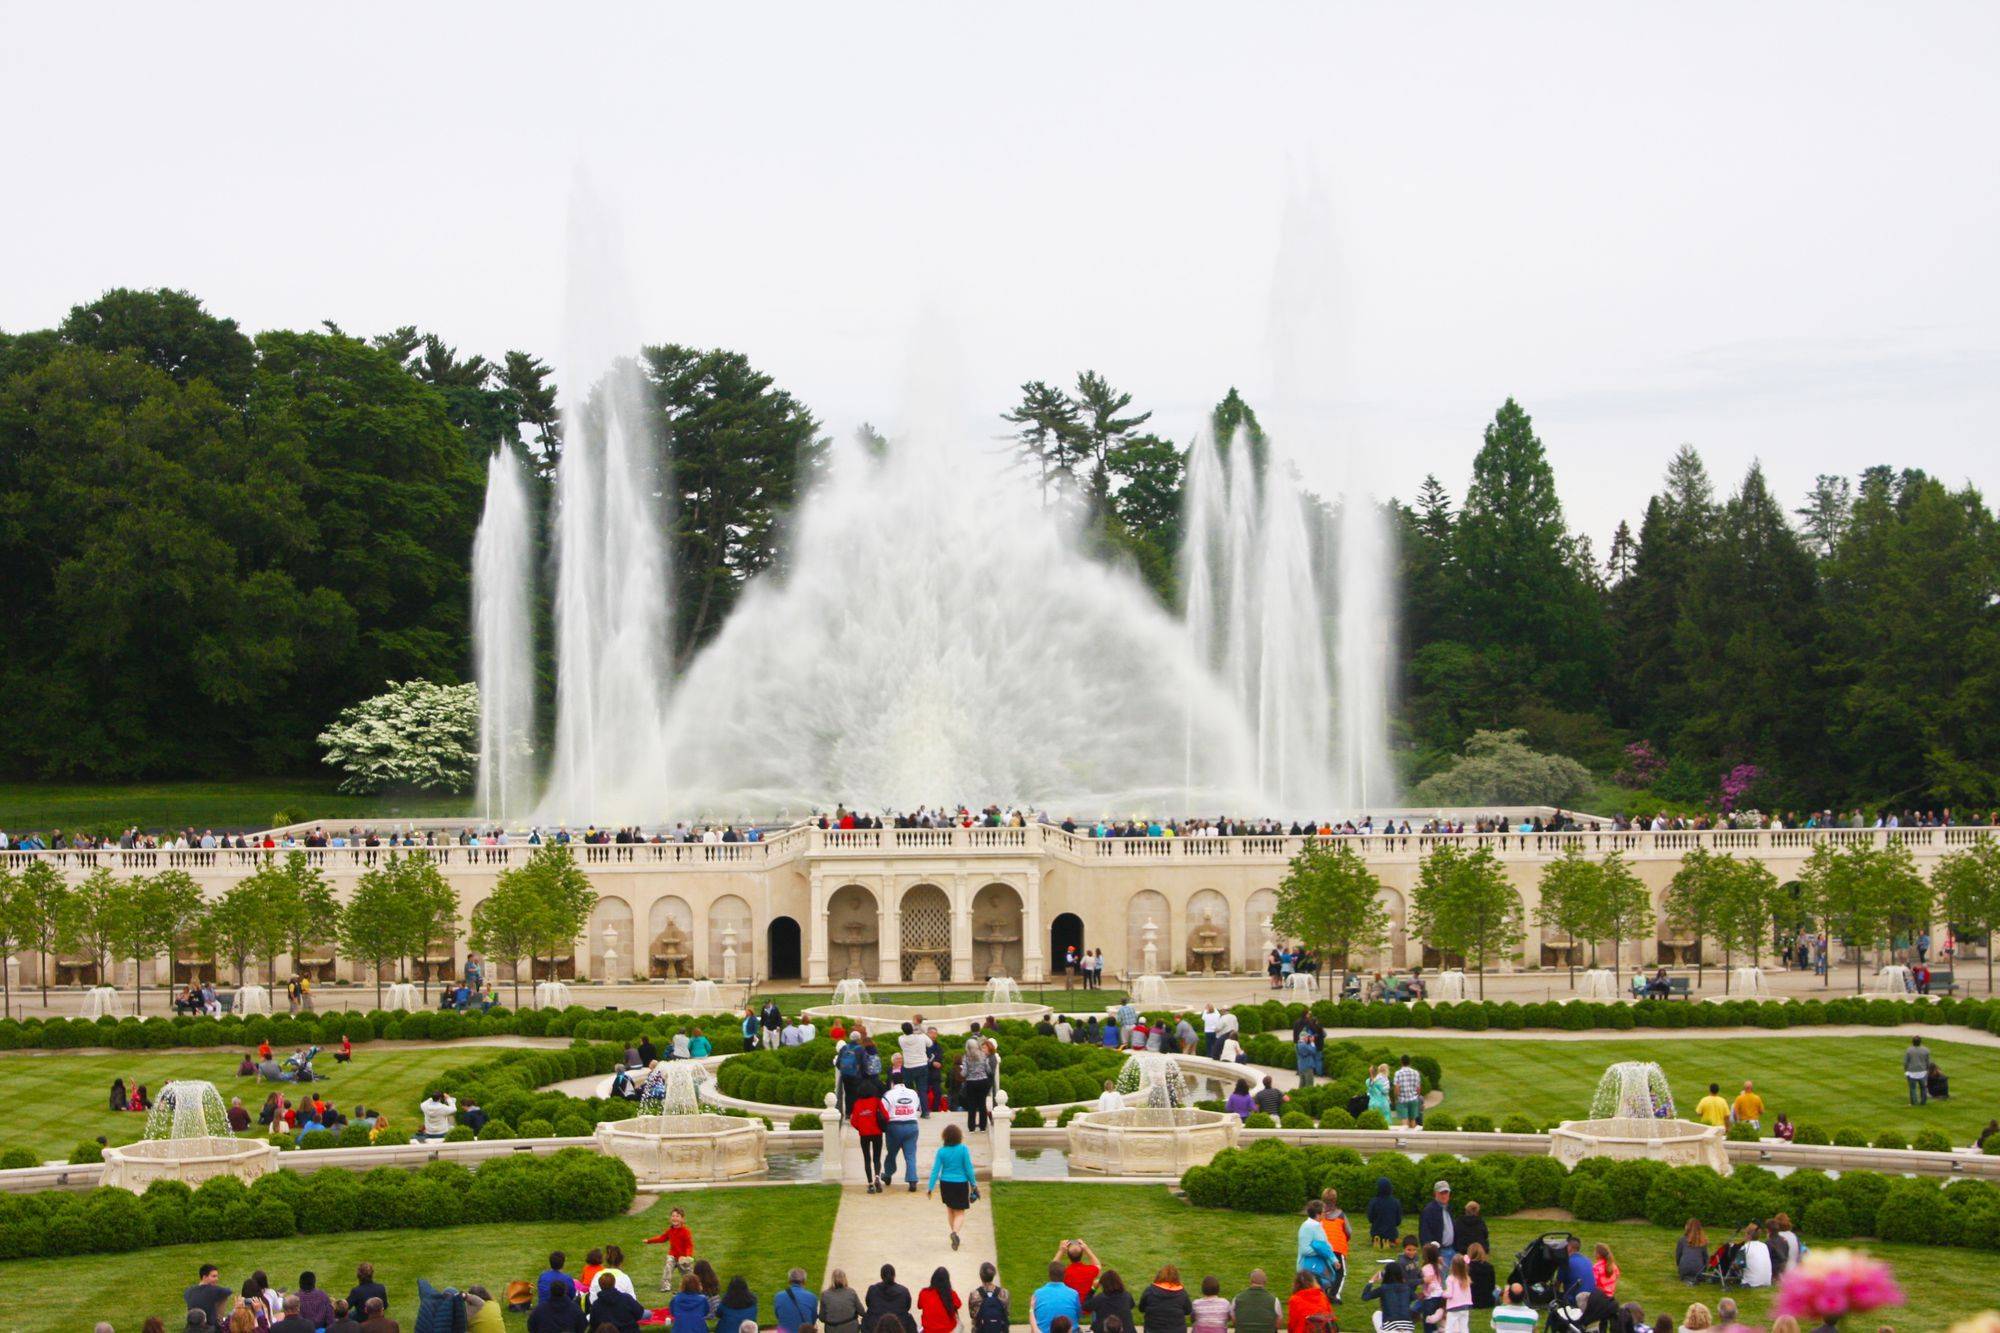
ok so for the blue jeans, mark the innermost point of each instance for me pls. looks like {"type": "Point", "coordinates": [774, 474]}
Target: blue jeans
{"type": "Point", "coordinates": [902, 1138]}
{"type": "Point", "coordinates": [918, 1081]}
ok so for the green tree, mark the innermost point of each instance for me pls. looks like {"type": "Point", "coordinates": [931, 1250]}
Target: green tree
{"type": "Point", "coordinates": [1967, 885]}
{"type": "Point", "coordinates": [1233, 414]}
{"type": "Point", "coordinates": [507, 923]}
{"type": "Point", "coordinates": [41, 901]}
{"type": "Point", "coordinates": [298, 897]}
{"type": "Point", "coordinates": [178, 910]}
{"type": "Point", "coordinates": [1745, 907]}
{"type": "Point", "coordinates": [527, 380]}
{"type": "Point", "coordinates": [1103, 426]}
{"type": "Point", "coordinates": [1049, 436]}
{"type": "Point", "coordinates": [433, 910]}
{"type": "Point", "coordinates": [1464, 904]}
{"type": "Point", "coordinates": [1621, 910]}
{"type": "Point", "coordinates": [1498, 768]}
{"type": "Point", "coordinates": [90, 919]}
{"type": "Point", "coordinates": [1146, 474]}
{"type": "Point", "coordinates": [143, 927]}
{"type": "Point", "coordinates": [1511, 537]}
{"type": "Point", "coordinates": [1679, 525]}
{"type": "Point", "coordinates": [10, 937]}
{"type": "Point", "coordinates": [376, 924]}
{"type": "Point", "coordinates": [1693, 900]}
{"type": "Point", "coordinates": [559, 884]}
{"type": "Point", "coordinates": [1848, 893]}
{"type": "Point", "coordinates": [169, 331]}
{"type": "Point", "coordinates": [1567, 905]}
{"type": "Point", "coordinates": [1908, 902]}
{"type": "Point", "coordinates": [1331, 902]}
{"type": "Point", "coordinates": [742, 452]}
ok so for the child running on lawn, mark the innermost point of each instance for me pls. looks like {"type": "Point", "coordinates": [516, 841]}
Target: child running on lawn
{"type": "Point", "coordinates": [680, 1250]}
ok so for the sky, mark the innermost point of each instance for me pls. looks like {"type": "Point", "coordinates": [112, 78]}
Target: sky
{"type": "Point", "coordinates": [1767, 230]}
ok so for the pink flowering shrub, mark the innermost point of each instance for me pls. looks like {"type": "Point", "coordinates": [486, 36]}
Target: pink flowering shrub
{"type": "Point", "coordinates": [1829, 1284]}
{"type": "Point", "coordinates": [1642, 764]}
{"type": "Point", "coordinates": [1737, 782]}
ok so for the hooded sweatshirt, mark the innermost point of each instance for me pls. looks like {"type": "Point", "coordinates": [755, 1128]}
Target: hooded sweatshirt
{"type": "Point", "coordinates": [1385, 1213]}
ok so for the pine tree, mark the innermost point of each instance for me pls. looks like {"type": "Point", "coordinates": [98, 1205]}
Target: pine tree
{"type": "Point", "coordinates": [1624, 554]}
{"type": "Point", "coordinates": [1048, 438]}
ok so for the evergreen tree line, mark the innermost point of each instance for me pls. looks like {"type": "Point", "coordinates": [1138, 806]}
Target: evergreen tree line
{"type": "Point", "coordinates": [211, 543]}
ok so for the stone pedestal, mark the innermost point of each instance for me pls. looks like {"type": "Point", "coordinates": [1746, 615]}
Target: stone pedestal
{"type": "Point", "coordinates": [662, 1149]}
{"type": "Point", "coordinates": [1002, 1136]}
{"type": "Point", "coordinates": [832, 1153]}
{"type": "Point", "coordinates": [133, 1166]}
{"type": "Point", "coordinates": [1149, 1141]}
{"type": "Point", "coordinates": [1675, 1142]}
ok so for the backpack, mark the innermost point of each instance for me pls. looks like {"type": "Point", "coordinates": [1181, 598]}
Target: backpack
{"type": "Point", "coordinates": [520, 1296]}
{"type": "Point", "coordinates": [874, 1059]}
{"type": "Point", "coordinates": [850, 1060]}
{"type": "Point", "coordinates": [992, 1316]}
{"type": "Point", "coordinates": [439, 1310]}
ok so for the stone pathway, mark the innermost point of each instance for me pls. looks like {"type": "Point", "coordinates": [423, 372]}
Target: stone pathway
{"type": "Point", "coordinates": [908, 1230]}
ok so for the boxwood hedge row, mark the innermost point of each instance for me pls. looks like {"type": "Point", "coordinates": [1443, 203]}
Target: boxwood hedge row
{"type": "Point", "coordinates": [160, 1032]}
{"type": "Point", "coordinates": [572, 1185]}
{"type": "Point", "coordinates": [1275, 1177]}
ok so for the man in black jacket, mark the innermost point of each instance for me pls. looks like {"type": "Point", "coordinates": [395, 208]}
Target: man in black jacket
{"type": "Point", "coordinates": [888, 1297]}
{"type": "Point", "coordinates": [1437, 1223]}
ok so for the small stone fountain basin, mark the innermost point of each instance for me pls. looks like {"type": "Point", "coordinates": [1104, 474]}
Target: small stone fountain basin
{"type": "Point", "coordinates": [1675, 1142]}
{"type": "Point", "coordinates": [662, 1149]}
{"type": "Point", "coordinates": [1149, 1141]}
{"type": "Point", "coordinates": [134, 1166]}
{"type": "Point", "coordinates": [943, 1017]}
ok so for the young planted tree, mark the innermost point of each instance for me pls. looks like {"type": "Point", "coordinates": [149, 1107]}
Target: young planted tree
{"type": "Point", "coordinates": [1967, 884]}
{"type": "Point", "coordinates": [1622, 908]}
{"type": "Point", "coordinates": [1567, 907]}
{"type": "Point", "coordinates": [1692, 898]}
{"type": "Point", "coordinates": [41, 900]}
{"type": "Point", "coordinates": [1747, 899]}
{"type": "Point", "coordinates": [433, 906]}
{"type": "Point", "coordinates": [1845, 897]}
{"type": "Point", "coordinates": [1463, 904]}
{"type": "Point", "coordinates": [90, 917]}
{"type": "Point", "coordinates": [140, 929]}
{"type": "Point", "coordinates": [506, 923]}
{"type": "Point", "coordinates": [566, 897]}
{"type": "Point", "coordinates": [376, 922]}
{"type": "Point", "coordinates": [10, 937]}
{"type": "Point", "coordinates": [1908, 902]}
{"type": "Point", "coordinates": [1330, 901]}
{"type": "Point", "coordinates": [298, 896]}
{"type": "Point", "coordinates": [243, 926]}
{"type": "Point", "coordinates": [178, 908]}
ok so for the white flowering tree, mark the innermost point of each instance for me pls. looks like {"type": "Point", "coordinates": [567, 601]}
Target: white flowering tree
{"type": "Point", "coordinates": [417, 734]}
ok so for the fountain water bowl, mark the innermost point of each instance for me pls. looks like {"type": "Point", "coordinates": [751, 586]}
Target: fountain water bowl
{"type": "Point", "coordinates": [187, 1139]}
{"type": "Point", "coordinates": [1154, 1080]}
{"type": "Point", "coordinates": [1149, 1140]}
{"type": "Point", "coordinates": [1632, 1116]}
{"type": "Point", "coordinates": [851, 990]}
{"type": "Point", "coordinates": [674, 1139]}
{"type": "Point", "coordinates": [1149, 989]}
{"type": "Point", "coordinates": [1002, 990]}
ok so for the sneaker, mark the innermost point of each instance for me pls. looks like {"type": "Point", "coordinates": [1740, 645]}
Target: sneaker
{"type": "Point", "coordinates": [954, 1240]}
{"type": "Point", "coordinates": [913, 1187]}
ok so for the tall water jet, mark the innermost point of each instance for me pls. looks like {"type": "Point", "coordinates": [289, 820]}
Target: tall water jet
{"type": "Point", "coordinates": [1294, 695]}
{"type": "Point", "coordinates": [612, 587]}
{"type": "Point", "coordinates": [503, 647]}
{"type": "Point", "coordinates": [1363, 628]}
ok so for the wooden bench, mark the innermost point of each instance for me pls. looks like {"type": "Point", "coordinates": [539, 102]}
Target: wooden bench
{"type": "Point", "coordinates": [1678, 988]}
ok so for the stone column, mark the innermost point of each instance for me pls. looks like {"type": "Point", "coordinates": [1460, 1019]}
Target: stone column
{"type": "Point", "coordinates": [961, 929]}
{"type": "Point", "coordinates": [832, 1155]}
{"type": "Point", "coordinates": [1002, 1136]}
{"type": "Point", "coordinates": [889, 961]}
{"type": "Point", "coordinates": [1031, 929]}
{"type": "Point", "coordinates": [816, 962]}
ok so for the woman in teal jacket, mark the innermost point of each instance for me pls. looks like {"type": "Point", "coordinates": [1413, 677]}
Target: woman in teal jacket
{"type": "Point", "coordinates": [951, 1165]}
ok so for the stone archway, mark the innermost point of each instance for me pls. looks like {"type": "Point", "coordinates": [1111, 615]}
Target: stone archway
{"type": "Point", "coordinates": [1395, 951]}
{"type": "Point", "coordinates": [1144, 906]}
{"type": "Point", "coordinates": [853, 934]}
{"type": "Point", "coordinates": [782, 949]}
{"type": "Point", "coordinates": [729, 929]}
{"type": "Point", "coordinates": [1208, 947]}
{"type": "Point", "coordinates": [612, 914]}
{"type": "Point", "coordinates": [996, 932]}
{"type": "Point", "coordinates": [1258, 933]}
{"type": "Point", "coordinates": [1065, 932]}
{"type": "Point", "coordinates": [670, 939]}
{"type": "Point", "coordinates": [926, 935]}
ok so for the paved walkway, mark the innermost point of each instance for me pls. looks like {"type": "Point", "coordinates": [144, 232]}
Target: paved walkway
{"type": "Point", "coordinates": [909, 1230]}
{"type": "Point", "coordinates": [1928, 1031]}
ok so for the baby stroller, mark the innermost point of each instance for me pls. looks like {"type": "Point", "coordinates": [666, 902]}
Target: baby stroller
{"type": "Point", "coordinates": [1538, 1267]}
{"type": "Point", "coordinates": [300, 1064]}
{"type": "Point", "coordinates": [1725, 1266]}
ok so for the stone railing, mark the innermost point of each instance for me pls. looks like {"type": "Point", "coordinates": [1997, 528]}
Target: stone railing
{"type": "Point", "coordinates": [791, 844]}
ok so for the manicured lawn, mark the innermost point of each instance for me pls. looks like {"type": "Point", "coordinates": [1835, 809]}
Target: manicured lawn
{"type": "Point", "coordinates": [1137, 1228]}
{"type": "Point", "coordinates": [53, 1102]}
{"type": "Point", "coordinates": [1827, 1081]}
{"type": "Point", "coordinates": [230, 806]}
{"type": "Point", "coordinates": [757, 1232]}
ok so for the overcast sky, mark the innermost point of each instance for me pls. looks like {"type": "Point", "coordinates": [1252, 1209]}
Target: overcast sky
{"type": "Point", "coordinates": [1766, 230]}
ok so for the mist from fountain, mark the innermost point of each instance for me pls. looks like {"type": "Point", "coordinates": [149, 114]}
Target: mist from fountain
{"type": "Point", "coordinates": [503, 587]}
{"type": "Point", "coordinates": [675, 1087]}
{"type": "Point", "coordinates": [188, 1109]}
{"type": "Point", "coordinates": [1633, 1090]}
{"type": "Point", "coordinates": [1155, 1079]}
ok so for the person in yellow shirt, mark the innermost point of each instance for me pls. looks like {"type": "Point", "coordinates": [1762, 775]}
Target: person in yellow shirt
{"type": "Point", "coordinates": [1712, 1110]}
{"type": "Point", "coordinates": [1749, 1107]}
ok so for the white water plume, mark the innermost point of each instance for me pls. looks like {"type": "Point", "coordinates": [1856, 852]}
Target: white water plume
{"type": "Point", "coordinates": [503, 586]}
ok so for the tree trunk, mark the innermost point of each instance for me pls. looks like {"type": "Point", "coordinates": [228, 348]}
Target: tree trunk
{"type": "Point", "coordinates": [517, 985]}
{"type": "Point", "coordinates": [378, 982]}
{"type": "Point", "coordinates": [138, 996]}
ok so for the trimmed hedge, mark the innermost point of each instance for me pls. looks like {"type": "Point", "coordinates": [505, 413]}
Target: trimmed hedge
{"type": "Point", "coordinates": [572, 1185]}
{"type": "Point", "coordinates": [1582, 1015]}
{"type": "Point", "coordinates": [1271, 1176]}
{"type": "Point", "coordinates": [1034, 1070]}
{"type": "Point", "coordinates": [164, 1032]}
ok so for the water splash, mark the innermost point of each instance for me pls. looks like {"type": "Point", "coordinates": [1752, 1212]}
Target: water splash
{"type": "Point", "coordinates": [1155, 1079]}
{"type": "Point", "coordinates": [1633, 1090]}
{"type": "Point", "coordinates": [188, 1109]}
{"type": "Point", "coordinates": [503, 585]}
{"type": "Point", "coordinates": [675, 1087]}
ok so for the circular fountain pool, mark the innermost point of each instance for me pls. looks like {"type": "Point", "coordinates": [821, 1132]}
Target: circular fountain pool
{"type": "Point", "coordinates": [187, 1139]}
{"type": "Point", "coordinates": [674, 1139]}
{"type": "Point", "coordinates": [1632, 1115]}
